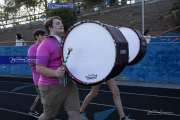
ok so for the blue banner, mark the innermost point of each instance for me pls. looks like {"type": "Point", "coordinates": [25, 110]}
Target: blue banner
{"type": "Point", "coordinates": [14, 60]}
{"type": "Point", "coordinates": [60, 5]}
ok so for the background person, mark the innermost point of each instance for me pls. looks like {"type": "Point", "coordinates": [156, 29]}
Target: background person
{"type": "Point", "coordinates": [19, 40]}
{"type": "Point", "coordinates": [38, 36]}
{"type": "Point", "coordinates": [116, 97]}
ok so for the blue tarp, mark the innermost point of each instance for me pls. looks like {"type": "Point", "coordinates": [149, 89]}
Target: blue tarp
{"type": "Point", "coordinates": [161, 63]}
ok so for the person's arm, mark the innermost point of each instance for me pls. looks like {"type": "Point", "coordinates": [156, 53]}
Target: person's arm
{"type": "Point", "coordinates": [32, 63]}
{"type": "Point", "coordinates": [31, 60]}
{"type": "Point", "coordinates": [50, 72]}
{"type": "Point", "coordinates": [31, 56]}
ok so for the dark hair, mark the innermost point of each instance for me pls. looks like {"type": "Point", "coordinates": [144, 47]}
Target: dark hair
{"type": "Point", "coordinates": [38, 32]}
{"type": "Point", "coordinates": [146, 31]}
{"type": "Point", "coordinates": [18, 36]}
{"type": "Point", "coordinates": [49, 22]}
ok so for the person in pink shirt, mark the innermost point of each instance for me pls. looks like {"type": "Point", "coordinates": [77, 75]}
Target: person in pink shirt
{"type": "Point", "coordinates": [54, 94]}
{"type": "Point", "coordinates": [38, 35]}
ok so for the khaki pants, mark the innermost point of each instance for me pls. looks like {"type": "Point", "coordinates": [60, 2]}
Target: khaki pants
{"type": "Point", "coordinates": [57, 97]}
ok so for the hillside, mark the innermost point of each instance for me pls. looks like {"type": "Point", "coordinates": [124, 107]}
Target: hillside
{"type": "Point", "coordinates": [157, 16]}
{"type": "Point", "coordinates": [157, 19]}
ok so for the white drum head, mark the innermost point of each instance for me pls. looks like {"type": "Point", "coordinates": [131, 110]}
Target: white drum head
{"type": "Point", "coordinates": [133, 42]}
{"type": "Point", "coordinates": [93, 53]}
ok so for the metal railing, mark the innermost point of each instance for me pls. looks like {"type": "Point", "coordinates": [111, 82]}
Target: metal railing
{"type": "Point", "coordinates": [13, 42]}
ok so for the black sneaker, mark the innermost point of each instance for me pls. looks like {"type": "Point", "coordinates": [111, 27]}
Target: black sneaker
{"type": "Point", "coordinates": [34, 113]}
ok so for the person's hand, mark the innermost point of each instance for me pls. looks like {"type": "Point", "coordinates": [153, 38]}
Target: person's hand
{"type": "Point", "coordinates": [60, 72]}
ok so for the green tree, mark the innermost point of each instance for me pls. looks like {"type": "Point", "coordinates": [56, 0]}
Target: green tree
{"type": "Point", "coordinates": [25, 8]}
{"type": "Point", "coordinates": [30, 7]}
{"type": "Point", "coordinates": [90, 3]}
{"type": "Point", "coordinates": [123, 2]}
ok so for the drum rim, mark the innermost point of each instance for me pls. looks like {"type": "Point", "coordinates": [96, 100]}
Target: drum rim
{"type": "Point", "coordinates": [113, 68]}
{"type": "Point", "coordinates": [80, 22]}
{"type": "Point", "coordinates": [142, 49]}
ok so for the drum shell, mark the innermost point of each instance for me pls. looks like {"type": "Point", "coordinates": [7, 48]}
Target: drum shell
{"type": "Point", "coordinates": [136, 38]}
{"type": "Point", "coordinates": [121, 47]}
{"type": "Point", "coordinates": [142, 51]}
{"type": "Point", "coordinates": [121, 52]}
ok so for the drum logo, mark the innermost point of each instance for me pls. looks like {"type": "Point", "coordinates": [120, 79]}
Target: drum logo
{"type": "Point", "coordinates": [91, 76]}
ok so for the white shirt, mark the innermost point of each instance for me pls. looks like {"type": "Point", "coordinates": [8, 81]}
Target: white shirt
{"type": "Point", "coordinates": [20, 42]}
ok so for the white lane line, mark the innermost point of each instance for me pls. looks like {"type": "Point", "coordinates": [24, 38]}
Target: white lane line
{"type": "Point", "coordinates": [151, 95]}
{"type": "Point", "coordinates": [18, 112]}
{"type": "Point", "coordinates": [121, 92]}
{"type": "Point", "coordinates": [20, 88]}
{"type": "Point", "coordinates": [18, 93]}
{"type": "Point", "coordinates": [14, 82]}
{"type": "Point", "coordinates": [138, 94]}
{"type": "Point", "coordinates": [148, 112]}
{"type": "Point", "coordinates": [109, 92]}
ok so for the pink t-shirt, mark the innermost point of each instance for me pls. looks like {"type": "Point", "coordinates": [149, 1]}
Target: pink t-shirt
{"type": "Point", "coordinates": [49, 55]}
{"type": "Point", "coordinates": [32, 60]}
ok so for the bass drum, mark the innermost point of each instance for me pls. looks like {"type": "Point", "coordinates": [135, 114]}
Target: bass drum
{"type": "Point", "coordinates": [96, 52]}
{"type": "Point", "coordinates": [136, 44]}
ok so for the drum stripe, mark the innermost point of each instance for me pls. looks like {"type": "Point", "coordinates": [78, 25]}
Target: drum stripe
{"type": "Point", "coordinates": [121, 51]}
{"type": "Point", "coordinates": [142, 51]}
